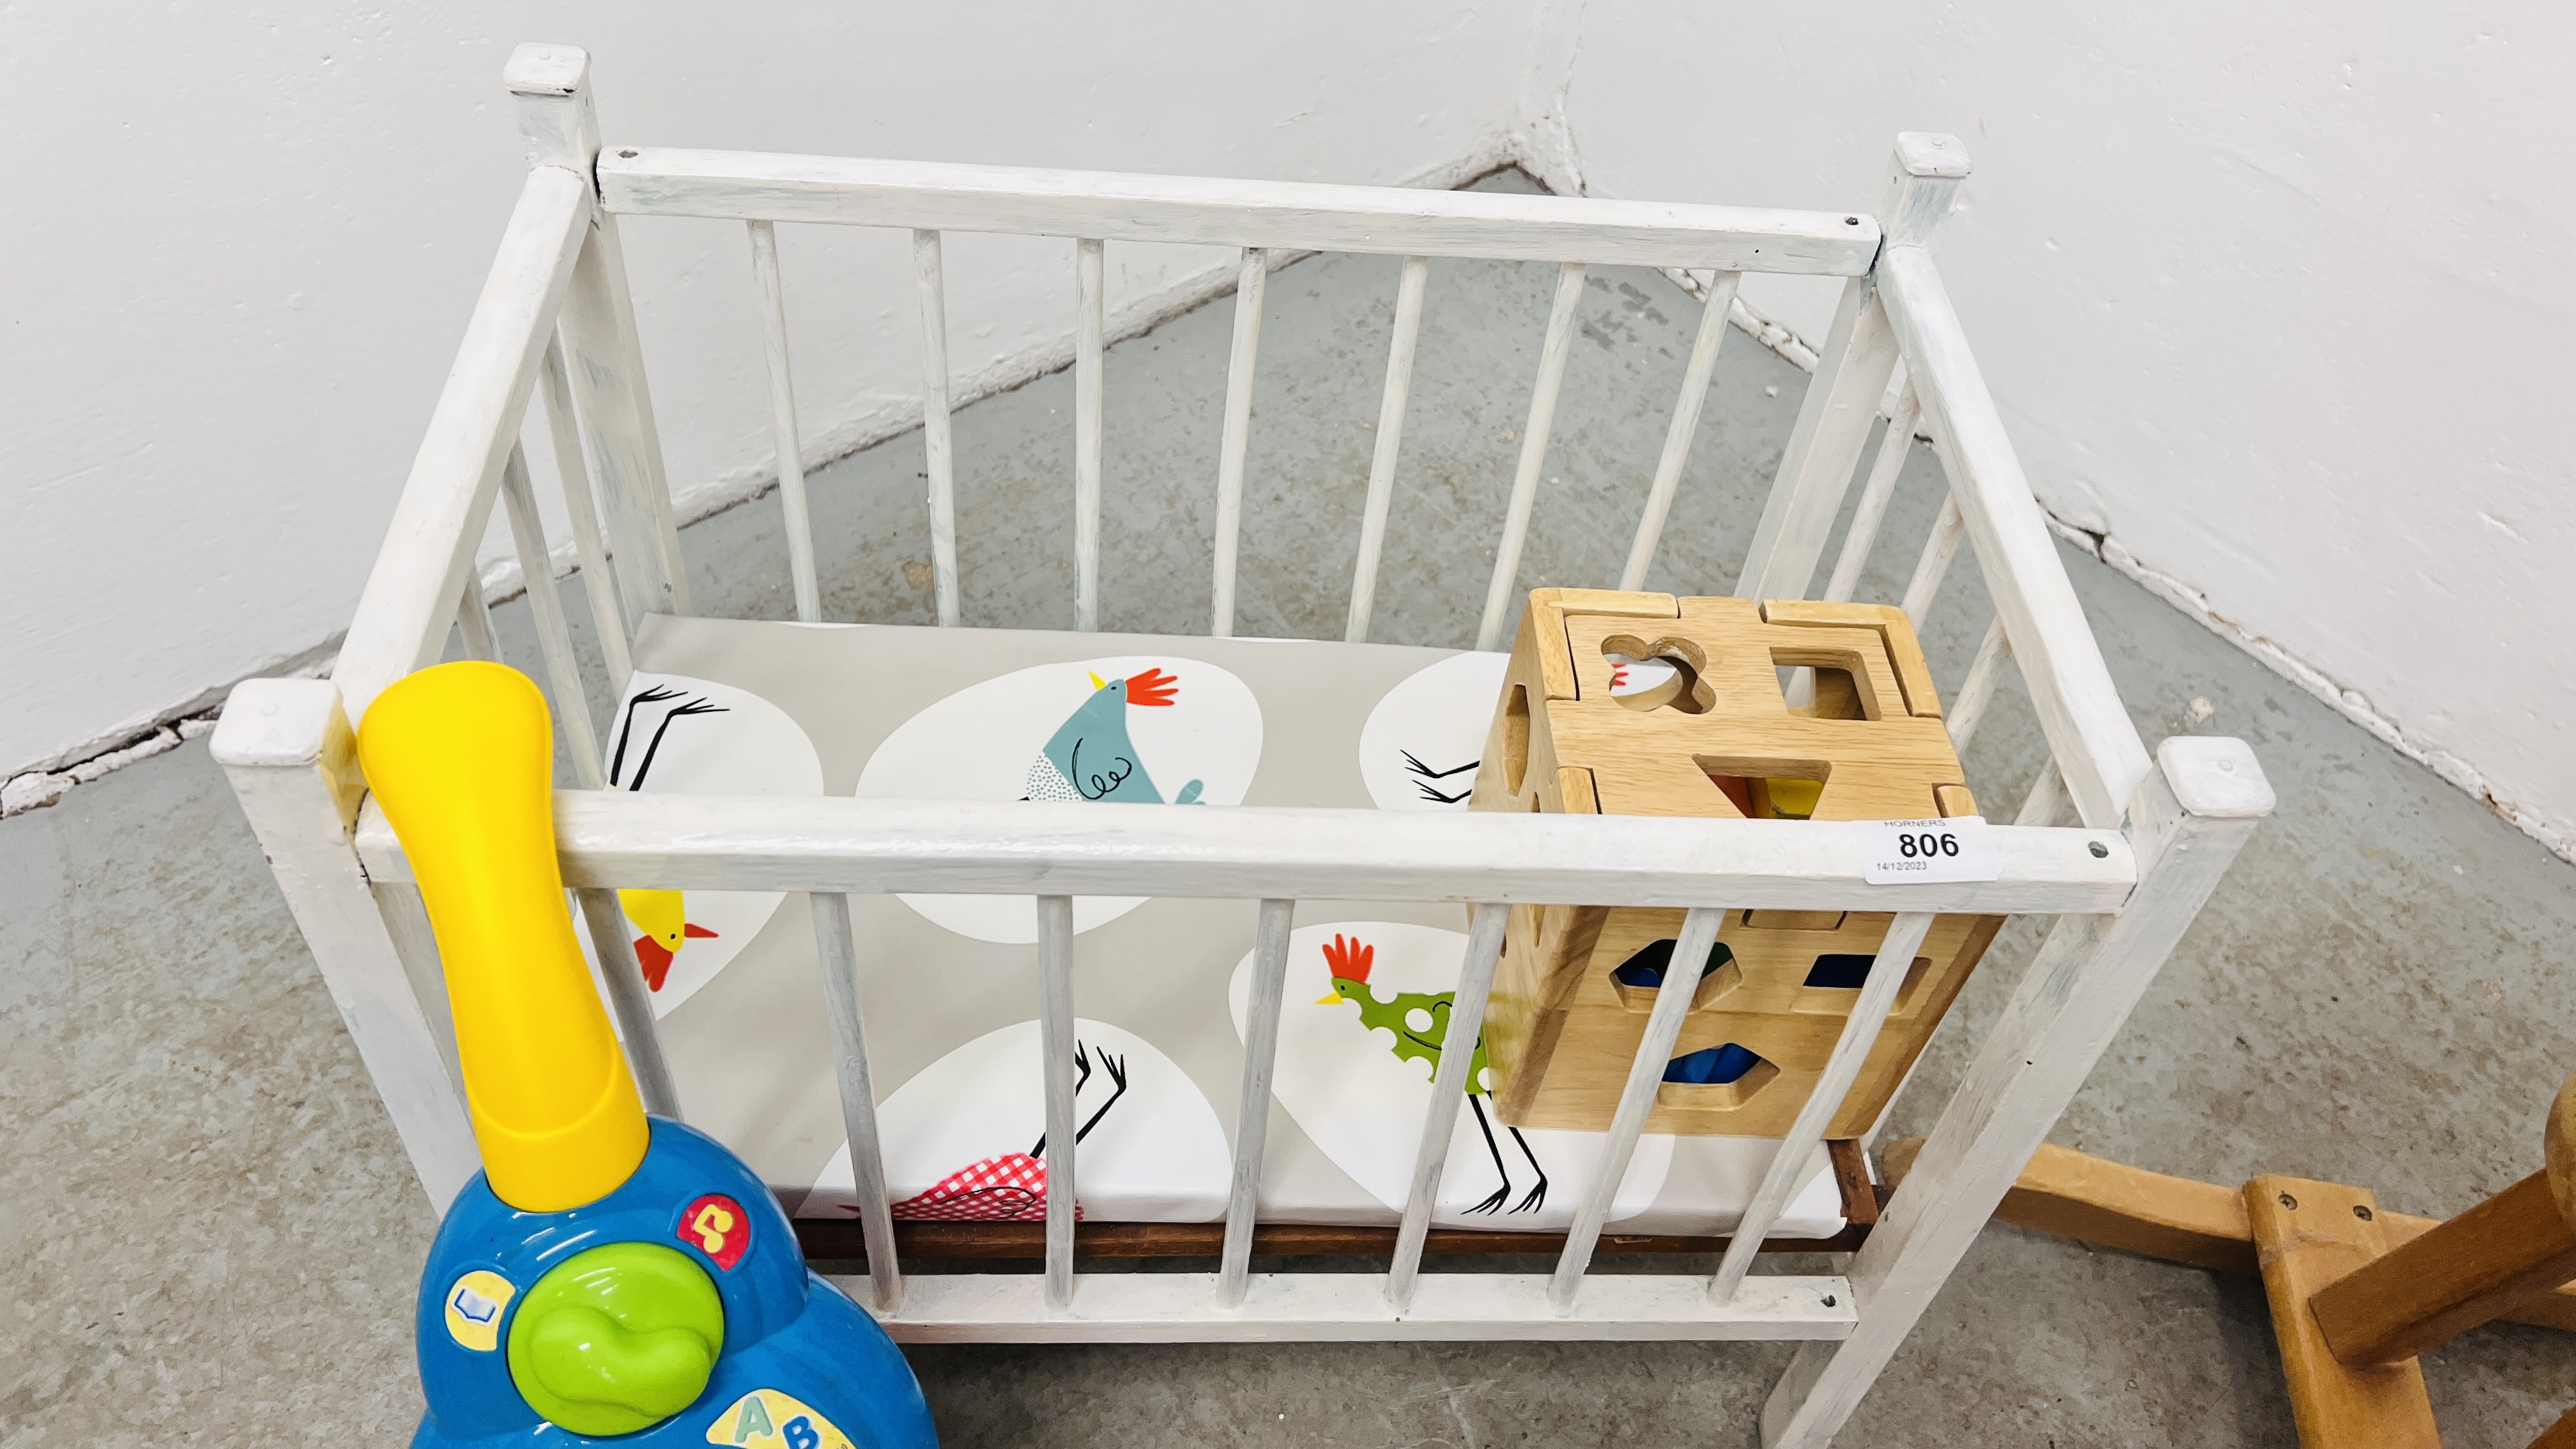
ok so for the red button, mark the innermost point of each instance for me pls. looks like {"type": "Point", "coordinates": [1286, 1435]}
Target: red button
{"type": "Point", "coordinates": [717, 1226]}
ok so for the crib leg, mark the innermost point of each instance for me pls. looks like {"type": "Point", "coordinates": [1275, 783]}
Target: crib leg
{"type": "Point", "coordinates": [287, 747]}
{"type": "Point", "coordinates": [2187, 821]}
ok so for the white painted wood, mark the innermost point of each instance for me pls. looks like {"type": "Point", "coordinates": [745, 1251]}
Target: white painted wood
{"type": "Point", "coordinates": [1787, 1170]}
{"type": "Point", "coordinates": [1636, 1098]}
{"type": "Point", "coordinates": [840, 843]}
{"type": "Point", "coordinates": [1894, 444]}
{"type": "Point", "coordinates": [607, 365]}
{"type": "Point", "coordinates": [1940, 546]}
{"type": "Point", "coordinates": [836, 947]}
{"type": "Point", "coordinates": [782, 421]}
{"type": "Point", "coordinates": [1927, 169]}
{"type": "Point", "coordinates": [1089, 313]}
{"type": "Point", "coordinates": [1252, 283]}
{"type": "Point", "coordinates": [1841, 405]}
{"type": "Point", "coordinates": [288, 750]}
{"type": "Point", "coordinates": [1534, 434]}
{"type": "Point", "coordinates": [1683, 428]}
{"type": "Point", "coordinates": [474, 623]}
{"type": "Point", "coordinates": [1349, 1308]}
{"type": "Point", "coordinates": [2046, 798]}
{"type": "Point", "coordinates": [2070, 688]}
{"type": "Point", "coordinates": [1055, 1030]}
{"type": "Point", "coordinates": [1448, 1089]}
{"type": "Point", "coordinates": [2189, 818]}
{"type": "Point", "coordinates": [1252, 1106]}
{"type": "Point", "coordinates": [1409, 288]}
{"type": "Point", "coordinates": [629, 999]}
{"type": "Point", "coordinates": [406, 918]}
{"type": "Point", "coordinates": [1286, 216]}
{"type": "Point", "coordinates": [1977, 689]}
{"type": "Point", "coordinates": [554, 635]}
{"type": "Point", "coordinates": [556, 117]}
{"type": "Point", "coordinates": [598, 580]}
{"type": "Point", "coordinates": [940, 460]}
{"type": "Point", "coordinates": [427, 557]}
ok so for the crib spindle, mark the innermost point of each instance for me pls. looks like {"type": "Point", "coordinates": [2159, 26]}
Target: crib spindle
{"type": "Point", "coordinates": [629, 1000]}
{"type": "Point", "coordinates": [1893, 446]}
{"type": "Point", "coordinates": [1055, 1030]}
{"type": "Point", "coordinates": [1448, 1089]}
{"type": "Point", "coordinates": [1685, 427]}
{"type": "Point", "coordinates": [837, 946]}
{"type": "Point", "coordinates": [554, 636]}
{"type": "Point", "coordinates": [1390, 436]}
{"type": "Point", "coordinates": [1645, 1077]}
{"type": "Point", "coordinates": [782, 421]}
{"type": "Point", "coordinates": [1542, 417]}
{"type": "Point", "coordinates": [934, 422]}
{"type": "Point", "coordinates": [598, 580]}
{"type": "Point", "coordinates": [474, 621]}
{"type": "Point", "coordinates": [1089, 314]}
{"type": "Point", "coordinates": [1985, 671]}
{"type": "Point", "coordinates": [1938, 549]}
{"type": "Point", "coordinates": [1859, 1036]}
{"type": "Point", "coordinates": [1252, 1108]}
{"type": "Point", "coordinates": [1251, 282]}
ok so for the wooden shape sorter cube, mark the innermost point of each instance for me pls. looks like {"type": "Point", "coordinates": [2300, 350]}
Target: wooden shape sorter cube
{"type": "Point", "coordinates": [1642, 704]}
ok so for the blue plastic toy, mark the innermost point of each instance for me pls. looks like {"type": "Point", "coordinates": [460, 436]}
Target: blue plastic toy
{"type": "Point", "coordinates": [609, 1276]}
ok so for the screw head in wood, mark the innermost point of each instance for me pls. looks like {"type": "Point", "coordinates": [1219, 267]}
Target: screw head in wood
{"type": "Point", "coordinates": [2100, 851]}
{"type": "Point", "coordinates": [2289, 1202]}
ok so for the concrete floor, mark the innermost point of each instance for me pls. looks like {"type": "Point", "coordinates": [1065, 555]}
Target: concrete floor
{"type": "Point", "coordinates": [213, 1237]}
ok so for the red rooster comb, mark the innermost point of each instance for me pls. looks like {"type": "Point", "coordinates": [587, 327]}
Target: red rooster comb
{"type": "Point", "coordinates": [1153, 687]}
{"type": "Point", "coordinates": [1349, 960]}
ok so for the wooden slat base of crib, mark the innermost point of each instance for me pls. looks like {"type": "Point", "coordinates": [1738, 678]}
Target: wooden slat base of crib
{"type": "Point", "coordinates": [840, 1241]}
{"type": "Point", "coordinates": [834, 1241]}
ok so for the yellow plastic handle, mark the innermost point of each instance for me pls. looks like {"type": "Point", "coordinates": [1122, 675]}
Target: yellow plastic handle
{"type": "Point", "coordinates": [461, 758]}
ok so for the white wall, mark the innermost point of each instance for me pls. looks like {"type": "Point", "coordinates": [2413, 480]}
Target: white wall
{"type": "Point", "coordinates": [243, 242]}
{"type": "Point", "coordinates": [2279, 297]}
{"type": "Point", "coordinates": [2274, 297]}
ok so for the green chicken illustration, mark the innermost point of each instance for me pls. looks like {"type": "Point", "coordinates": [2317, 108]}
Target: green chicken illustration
{"type": "Point", "coordinates": [1419, 1023]}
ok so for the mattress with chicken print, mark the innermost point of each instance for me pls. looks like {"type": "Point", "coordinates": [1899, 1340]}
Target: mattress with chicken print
{"type": "Point", "coordinates": [949, 983]}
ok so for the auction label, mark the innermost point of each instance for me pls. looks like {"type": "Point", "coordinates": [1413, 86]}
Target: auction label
{"type": "Point", "coordinates": [1912, 852]}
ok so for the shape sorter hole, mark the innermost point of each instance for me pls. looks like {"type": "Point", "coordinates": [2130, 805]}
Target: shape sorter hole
{"type": "Point", "coordinates": [1830, 684]}
{"type": "Point", "coordinates": [1718, 1078]}
{"type": "Point", "coordinates": [1516, 732]}
{"type": "Point", "coordinates": [1641, 976]}
{"type": "Point", "coordinates": [1662, 675]}
{"type": "Point", "coordinates": [1834, 980]}
{"type": "Point", "coordinates": [1764, 789]}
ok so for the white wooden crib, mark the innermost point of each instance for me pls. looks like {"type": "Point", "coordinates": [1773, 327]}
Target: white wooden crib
{"type": "Point", "coordinates": [2156, 833]}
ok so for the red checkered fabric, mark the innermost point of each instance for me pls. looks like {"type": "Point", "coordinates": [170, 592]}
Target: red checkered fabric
{"type": "Point", "coordinates": [1011, 1188]}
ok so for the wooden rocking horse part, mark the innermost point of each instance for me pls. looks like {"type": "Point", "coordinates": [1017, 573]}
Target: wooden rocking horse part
{"type": "Point", "coordinates": [2357, 1293]}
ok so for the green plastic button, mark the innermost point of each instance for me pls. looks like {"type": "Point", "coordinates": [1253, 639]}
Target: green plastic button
{"type": "Point", "coordinates": [617, 1339]}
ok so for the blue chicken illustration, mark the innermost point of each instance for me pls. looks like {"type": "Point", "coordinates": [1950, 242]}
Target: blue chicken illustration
{"type": "Point", "coordinates": [1090, 757]}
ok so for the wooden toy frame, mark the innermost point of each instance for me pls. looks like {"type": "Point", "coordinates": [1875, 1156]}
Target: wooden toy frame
{"type": "Point", "coordinates": [2156, 834]}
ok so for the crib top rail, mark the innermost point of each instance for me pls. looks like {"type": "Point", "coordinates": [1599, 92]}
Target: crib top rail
{"type": "Point", "coordinates": [625, 839]}
{"type": "Point", "coordinates": [1295, 216]}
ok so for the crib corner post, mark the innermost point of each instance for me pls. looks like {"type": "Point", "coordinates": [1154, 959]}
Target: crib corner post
{"type": "Point", "coordinates": [287, 747]}
{"type": "Point", "coordinates": [1924, 181]}
{"type": "Point", "coordinates": [556, 115]}
{"type": "Point", "coordinates": [560, 121]}
{"type": "Point", "coordinates": [2187, 820]}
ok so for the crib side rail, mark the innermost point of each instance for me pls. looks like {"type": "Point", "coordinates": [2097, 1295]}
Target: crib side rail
{"type": "Point", "coordinates": [1282, 215]}
{"type": "Point", "coordinates": [426, 565]}
{"type": "Point", "coordinates": [628, 839]}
